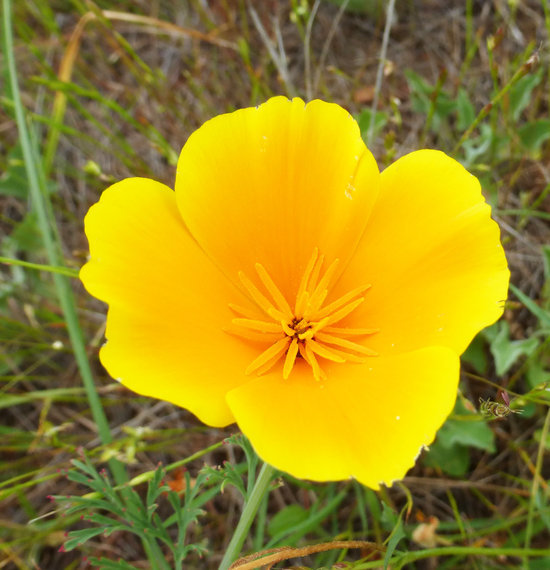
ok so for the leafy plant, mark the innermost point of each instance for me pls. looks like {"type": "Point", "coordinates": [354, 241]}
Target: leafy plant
{"type": "Point", "coordinates": [121, 509]}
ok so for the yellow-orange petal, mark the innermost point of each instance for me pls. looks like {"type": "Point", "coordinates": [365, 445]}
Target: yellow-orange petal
{"type": "Point", "coordinates": [168, 304]}
{"type": "Point", "coordinates": [367, 421]}
{"type": "Point", "coordinates": [433, 256]}
{"type": "Point", "coordinates": [269, 184]}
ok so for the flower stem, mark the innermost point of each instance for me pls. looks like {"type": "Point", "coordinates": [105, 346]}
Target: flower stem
{"type": "Point", "coordinates": [250, 509]}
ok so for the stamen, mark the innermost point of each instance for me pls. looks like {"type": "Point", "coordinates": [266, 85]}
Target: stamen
{"type": "Point", "coordinates": [305, 278]}
{"type": "Point", "coordinates": [301, 304]}
{"type": "Point", "coordinates": [267, 366]}
{"type": "Point", "coordinates": [275, 351]}
{"type": "Point", "coordinates": [308, 330]}
{"type": "Point", "coordinates": [290, 358]}
{"type": "Point", "coordinates": [252, 335]}
{"type": "Point", "coordinates": [314, 303]}
{"type": "Point", "coordinates": [329, 339]}
{"type": "Point", "coordinates": [348, 357]}
{"type": "Point", "coordinates": [309, 357]}
{"type": "Point", "coordinates": [310, 333]}
{"type": "Point", "coordinates": [350, 332]}
{"type": "Point", "coordinates": [322, 287]}
{"type": "Point", "coordinates": [243, 311]}
{"type": "Point", "coordinates": [274, 291]}
{"type": "Point", "coordinates": [345, 311]}
{"type": "Point", "coordinates": [257, 297]}
{"type": "Point", "coordinates": [341, 301]}
{"type": "Point", "coordinates": [287, 329]}
{"type": "Point", "coordinates": [312, 281]}
{"type": "Point", "coordinates": [325, 352]}
{"type": "Point", "coordinates": [257, 325]}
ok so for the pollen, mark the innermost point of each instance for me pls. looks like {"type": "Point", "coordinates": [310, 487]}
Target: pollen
{"type": "Point", "coordinates": [309, 329]}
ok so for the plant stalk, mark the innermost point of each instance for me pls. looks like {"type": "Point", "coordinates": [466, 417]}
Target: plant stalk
{"type": "Point", "coordinates": [247, 517]}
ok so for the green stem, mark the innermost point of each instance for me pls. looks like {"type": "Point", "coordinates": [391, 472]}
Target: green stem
{"type": "Point", "coordinates": [39, 197]}
{"type": "Point", "coordinates": [251, 507]}
{"type": "Point", "coordinates": [536, 482]}
{"type": "Point", "coordinates": [46, 220]}
{"type": "Point", "coordinates": [409, 557]}
{"type": "Point", "coordinates": [40, 266]}
{"type": "Point", "coordinates": [522, 71]}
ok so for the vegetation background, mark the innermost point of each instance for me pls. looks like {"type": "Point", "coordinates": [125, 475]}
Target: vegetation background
{"type": "Point", "coordinates": [113, 89]}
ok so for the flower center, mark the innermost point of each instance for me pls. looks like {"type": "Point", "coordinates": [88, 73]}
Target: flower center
{"type": "Point", "coordinates": [309, 330]}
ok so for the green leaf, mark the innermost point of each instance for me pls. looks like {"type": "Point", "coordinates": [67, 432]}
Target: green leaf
{"type": "Point", "coordinates": [25, 236]}
{"type": "Point", "coordinates": [389, 518]}
{"type": "Point", "coordinates": [546, 260]}
{"type": "Point", "coordinates": [506, 352]}
{"type": "Point", "coordinates": [14, 181]}
{"type": "Point", "coordinates": [465, 110]}
{"type": "Point", "coordinates": [468, 433]}
{"type": "Point", "coordinates": [476, 356]}
{"type": "Point", "coordinates": [542, 315]}
{"type": "Point", "coordinates": [78, 537]}
{"type": "Point", "coordinates": [466, 428]}
{"type": "Point", "coordinates": [395, 538]}
{"type": "Point", "coordinates": [539, 563]}
{"type": "Point", "coordinates": [534, 135]}
{"type": "Point", "coordinates": [287, 519]}
{"type": "Point", "coordinates": [520, 93]}
{"type": "Point", "coordinates": [476, 148]}
{"type": "Point", "coordinates": [364, 118]}
{"type": "Point", "coordinates": [455, 461]}
{"type": "Point", "coordinates": [537, 374]}
{"type": "Point", "coordinates": [106, 564]}
{"type": "Point", "coordinates": [155, 486]}
{"type": "Point", "coordinates": [422, 94]}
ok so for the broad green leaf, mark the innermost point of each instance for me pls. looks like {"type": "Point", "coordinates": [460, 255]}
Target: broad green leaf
{"type": "Point", "coordinates": [506, 352]}
{"type": "Point", "coordinates": [476, 356]}
{"type": "Point", "coordinates": [521, 93]}
{"type": "Point", "coordinates": [286, 519]}
{"type": "Point", "coordinates": [464, 429]}
{"type": "Point", "coordinates": [470, 432]}
{"type": "Point", "coordinates": [538, 371]}
{"type": "Point", "coordinates": [454, 461]}
{"type": "Point", "coordinates": [534, 135]}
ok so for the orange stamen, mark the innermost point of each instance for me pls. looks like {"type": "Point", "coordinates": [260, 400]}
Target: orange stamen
{"type": "Point", "coordinates": [307, 331]}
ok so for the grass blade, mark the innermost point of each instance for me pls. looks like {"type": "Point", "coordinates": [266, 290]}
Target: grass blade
{"type": "Point", "coordinates": [48, 229]}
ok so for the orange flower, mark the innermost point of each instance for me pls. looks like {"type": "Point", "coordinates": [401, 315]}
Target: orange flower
{"type": "Point", "coordinates": [288, 286]}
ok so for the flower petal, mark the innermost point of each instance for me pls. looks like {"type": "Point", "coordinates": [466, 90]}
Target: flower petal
{"type": "Point", "coordinates": [168, 304]}
{"type": "Point", "coordinates": [433, 256]}
{"type": "Point", "coordinates": [365, 421]}
{"type": "Point", "coordinates": [269, 184]}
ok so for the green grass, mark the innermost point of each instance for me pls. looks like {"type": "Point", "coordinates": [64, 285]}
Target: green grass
{"type": "Point", "coordinates": [90, 96]}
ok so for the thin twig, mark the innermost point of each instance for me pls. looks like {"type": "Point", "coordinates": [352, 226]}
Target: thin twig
{"type": "Point", "coordinates": [307, 49]}
{"type": "Point", "coordinates": [380, 72]}
{"type": "Point", "coordinates": [279, 59]}
{"type": "Point", "coordinates": [328, 41]}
